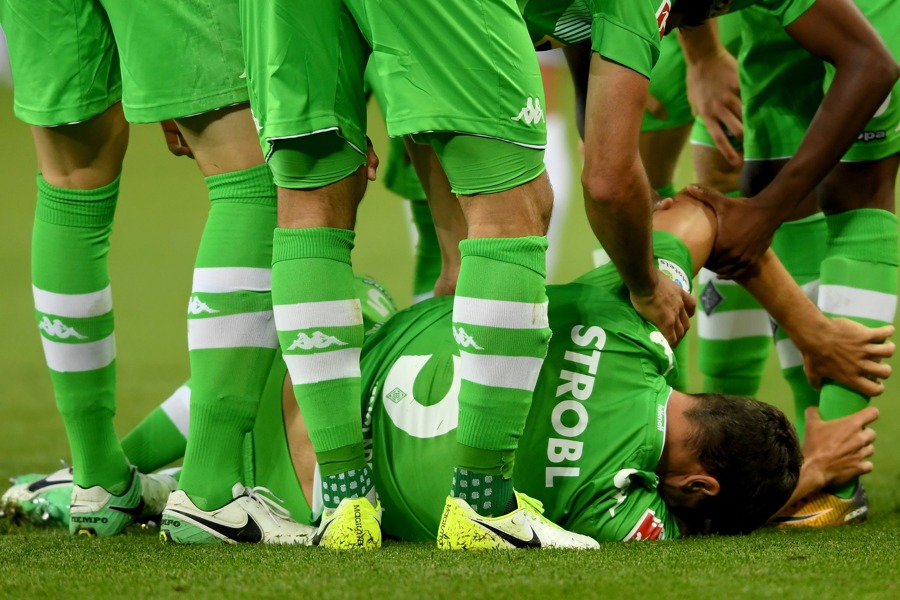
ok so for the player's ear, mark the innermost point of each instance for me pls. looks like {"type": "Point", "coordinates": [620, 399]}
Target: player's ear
{"type": "Point", "coordinates": [703, 485]}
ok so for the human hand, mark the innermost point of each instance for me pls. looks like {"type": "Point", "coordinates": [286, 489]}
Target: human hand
{"type": "Point", "coordinates": [668, 307]}
{"type": "Point", "coordinates": [745, 231]}
{"type": "Point", "coordinates": [371, 160]}
{"type": "Point", "coordinates": [836, 452]}
{"type": "Point", "coordinates": [714, 92]}
{"type": "Point", "coordinates": [849, 353]}
{"type": "Point", "coordinates": [656, 108]}
{"type": "Point", "coordinates": [175, 140]}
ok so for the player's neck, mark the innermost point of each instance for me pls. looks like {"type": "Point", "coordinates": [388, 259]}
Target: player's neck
{"type": "Point", "coordinates": [678, 457]}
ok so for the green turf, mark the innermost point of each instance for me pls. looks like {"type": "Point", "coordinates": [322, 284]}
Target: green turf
{"type": "Point", "coordinates": [161, 213]}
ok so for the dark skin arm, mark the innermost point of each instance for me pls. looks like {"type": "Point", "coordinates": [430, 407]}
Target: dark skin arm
{"type": "Point", "coordinates": [835, 31]}
{"type": "Point", "coordinates": [838, 349]}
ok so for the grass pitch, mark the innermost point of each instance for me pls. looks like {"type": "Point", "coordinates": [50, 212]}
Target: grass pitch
{"type": "Point", "coordinates": [161, 212]}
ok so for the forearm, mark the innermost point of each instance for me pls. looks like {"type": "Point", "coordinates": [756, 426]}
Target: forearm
{"type": "Point", "coordinates": [810, 481]}
{"type": "Point", "coordinates": [779, 294]}
{"type": "Point", "coordinates": [619, 212]}
{"type": "Point", "coordinates": [865, 72]}
{"type": "Point", "coordinates": [701, 42]}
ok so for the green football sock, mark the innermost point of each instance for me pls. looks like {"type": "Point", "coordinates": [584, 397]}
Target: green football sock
{"type": "Point", "coordinates": [320, 327]}
{"type": "Point", "coordinates": [800, 245]}
{"type": "Point", "coordinates": [735, 337]}
{"type": "Point", "coordinates": [428, 252]}
{"type": "Point", "coordinates": [231, 336]}
{"type": "Point", "coordinates": [161, 437]}
{"type": "Point", "coordinates": [73, 308]}
{"type": "Point", "coordinates": [501, 328]}
{"type": "Point", "coordinates": [858, 282]}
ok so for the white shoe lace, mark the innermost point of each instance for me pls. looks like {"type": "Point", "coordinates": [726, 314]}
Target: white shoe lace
{"type": "Point", "coordinates": [271, 503]}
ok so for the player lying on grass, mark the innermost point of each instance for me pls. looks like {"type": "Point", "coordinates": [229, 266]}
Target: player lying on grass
{"type": "Point", "coordinates": [609, 450]}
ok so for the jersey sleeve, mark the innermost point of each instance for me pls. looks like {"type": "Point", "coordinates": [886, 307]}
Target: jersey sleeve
{"type": "Point", "coordinates": [629, 33]}
{"type": "Point", "coordinates": [786, 11]}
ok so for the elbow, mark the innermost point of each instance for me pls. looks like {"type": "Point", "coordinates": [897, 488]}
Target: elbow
{"type": "Point", "coordinates": [882, 69]}
{"type": "Point", "coordinates": [609, 187]}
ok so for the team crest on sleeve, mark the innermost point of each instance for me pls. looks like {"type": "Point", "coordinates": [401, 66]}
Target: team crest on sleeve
{"type": "Point", "coordinates": [648, 527]}
{"type": "Point", "coordinates": [675, 273]}
{"type": "Point", "coordinates": [662, 16]}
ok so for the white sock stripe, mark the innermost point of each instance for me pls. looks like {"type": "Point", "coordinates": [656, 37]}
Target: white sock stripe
{"type": "Point", "coordinates": [500, 313]}
{"type": "Point", "coordinates": [788, 354]}
{"type": "Point", "coordinates": [178, 408]}
{"type": "Point", "coordinates": [243, 330]}
{"type": "Point", "coordinates": [73, 306]}
{"type": "Point", "coordinates": [734, 324]}
{"type": "Point", "coordinates": [71, 358]}
{"type": "Point", "coordinates": [222, 280]}
{"type": "Point", "coordinates": [513, 372]}
{"type": "Point", "coordinates": [308, 315]}
{"type": "Point", "coordinates": [324, 366]}
{"type": "Point", "coordinates": [706, 276]}
{"type": "Point", "coordinates": [855, 302]}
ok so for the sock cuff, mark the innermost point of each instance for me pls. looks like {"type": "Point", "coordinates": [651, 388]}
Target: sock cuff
{"type": "Point", "coordinates": [865, 234]}
{"type": "Point", "coordinates": [800, 245]}
{"type": "Point", "coordinates": [529, 252]}
{"type": "Point", "coordinates": [251, 186]}
{"type": "Point", "coordinates": [317, 242]}
{"type": "Point", "coordinates": [76, 208]}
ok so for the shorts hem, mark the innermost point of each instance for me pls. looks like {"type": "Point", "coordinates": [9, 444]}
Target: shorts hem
{"type": "Point", "coordinates": [63, 116]}
{"type": "Point", "coordinates": [179, 109]}
{"type": "Point", "coordinates": [870, 153]}
{"type": "Point", "coordinates": [465, 126]}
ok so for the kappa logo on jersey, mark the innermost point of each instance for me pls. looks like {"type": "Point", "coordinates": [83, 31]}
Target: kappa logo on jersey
{"type": "Point", "coordinates": [317, 340]}
{"type": "Point", "coordinates": [649, 527]}
{"type": "Point", "coordinates": [662, 16]}
{"type": "Point", "coordinates": [57, 328]}
{"type": "Point", "coordinates": [197, 306]}
{"type": "Point", "coordinates": [465, 340]}
{"type": "Point", "coordinates": [532, 112]}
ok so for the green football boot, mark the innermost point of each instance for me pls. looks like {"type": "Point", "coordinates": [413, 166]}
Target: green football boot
{"type": "Point", "coordinates": [39, 499]}
{"type": "Point", "coordinates": [96, 512]}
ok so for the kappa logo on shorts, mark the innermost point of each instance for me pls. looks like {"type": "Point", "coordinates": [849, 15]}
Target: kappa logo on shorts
{"type": "Point", "coordinates": [317, 340]}
{"type": "Point", "coordinates": [57, 328]}
{"type": "Point", "coordinates": [649, 527]}
{"type": "Point", "coordinates": [197, 306]}
{"type": "Point", "coordinates": [531, 113]}
{"type": "Point", "coordinates": [662, 16]}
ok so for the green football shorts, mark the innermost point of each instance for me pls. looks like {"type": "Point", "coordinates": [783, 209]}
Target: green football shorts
{"type": "Point", "coordinates": [177, 57]}
{"type": "Point", "coordinates": [465, 66]}
{"type": "Point", "coordinates": [881, 136]}
{"type": "Point", "coordinates": [781, 87]}
{"type": "Point", "coordinates": [668, 84]}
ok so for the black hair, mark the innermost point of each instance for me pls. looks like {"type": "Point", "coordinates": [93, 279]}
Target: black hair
{"type": "Point", "coordinates": [753, 452]}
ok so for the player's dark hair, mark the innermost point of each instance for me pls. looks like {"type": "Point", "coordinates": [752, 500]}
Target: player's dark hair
{"type": "Point", "coordinates": [696, 12]}
{"type": "Point", "coordinates": [753, 452]}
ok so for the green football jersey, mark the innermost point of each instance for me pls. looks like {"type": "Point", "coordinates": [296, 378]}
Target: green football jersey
{"type": "Point", "coordinates": [595, 431]}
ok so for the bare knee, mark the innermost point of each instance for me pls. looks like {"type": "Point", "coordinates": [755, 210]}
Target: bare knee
{"type": "Point", "coordinates": [85, 155]}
